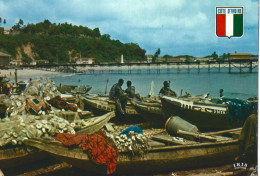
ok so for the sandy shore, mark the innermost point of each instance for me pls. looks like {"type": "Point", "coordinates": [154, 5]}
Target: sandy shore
{"type": "Point", "coordinates": [26, 74]}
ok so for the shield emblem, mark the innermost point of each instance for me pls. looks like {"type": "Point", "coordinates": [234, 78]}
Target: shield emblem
{"type": "Point", "coordinates": [229, 21]}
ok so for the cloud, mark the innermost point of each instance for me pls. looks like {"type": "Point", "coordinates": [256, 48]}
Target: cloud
{"type": "Point", "coordinates": [174, 26]}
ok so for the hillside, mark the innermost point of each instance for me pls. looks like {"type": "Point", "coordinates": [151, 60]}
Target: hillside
{"type": "Point", "coordinates": [64, 43]}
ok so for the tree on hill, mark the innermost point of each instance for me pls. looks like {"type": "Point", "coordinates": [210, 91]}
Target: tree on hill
{"type": "Point", "coordinates": [62, 43]}
{"type": "Point", "coordinates": [18, 26]}
{"type": "Point", "coordinates": [156, 54]}
{"type": "Point", "coordinates": [214, 55]}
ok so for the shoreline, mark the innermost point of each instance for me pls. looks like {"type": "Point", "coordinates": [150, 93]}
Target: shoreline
{"type": "Point", "coordinates": [26, 74]}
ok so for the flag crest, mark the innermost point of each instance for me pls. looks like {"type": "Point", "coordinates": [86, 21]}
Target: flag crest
{"type": "Point", "coordinates": [229, 21]}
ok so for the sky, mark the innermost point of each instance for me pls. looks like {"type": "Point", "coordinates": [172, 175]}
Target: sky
{"type": "Point", "coordinates": [177, 27]}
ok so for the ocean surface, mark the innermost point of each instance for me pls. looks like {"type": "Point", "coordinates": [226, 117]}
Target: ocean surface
{"type": "Point", "coordinates": [235, 84]}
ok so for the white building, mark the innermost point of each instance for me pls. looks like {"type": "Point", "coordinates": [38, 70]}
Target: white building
{"type": "Point", "coordinates": [86, 61]}
{"type": "Point", "coordinates": [149, 58]}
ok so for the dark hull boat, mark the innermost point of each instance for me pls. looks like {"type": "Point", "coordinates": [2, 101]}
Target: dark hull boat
{"type": "Point", "coordinates": [201, 114]}
{"type": "Point", "coordinates": [13, 156]}
{"type": "Point", "coordinates": [151, 112]}
{"type": "Point", "coordinates": [101, 105]}
{"type": "Point", "coordinates": [164, 155]}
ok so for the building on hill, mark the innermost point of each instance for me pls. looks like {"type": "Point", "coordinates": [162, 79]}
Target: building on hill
{"type": "Point", "coordinates": [175, 59]}
{"type": "Point", "coordinates": [4, 58]}
{"type": "Point", "coordinates": [33, 62]}
{"type": "Point", "coordinates": [86, 61]}
{"type": "Point", "coordinates": [7, 31]}
{"type": "Point", "coordinates": [42, 61]}
{"type": "Point", "coordinates": [149, 58]}
{"type": "Point", "coordinates": [160, 59]}
{"type": "Point", "coordinates": [240, 56]}
{"type": "Point", "coordinates": [16, 62]}
{"type": "Point", "coordinates": [254, 57]}
{"type": "Point", "coordinates": [204, 59]}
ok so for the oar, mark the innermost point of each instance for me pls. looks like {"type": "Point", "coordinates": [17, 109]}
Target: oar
{"type": "Point", "coordinates": [197, 135]}
{"type": "Point", "coordinates": [222, 132]}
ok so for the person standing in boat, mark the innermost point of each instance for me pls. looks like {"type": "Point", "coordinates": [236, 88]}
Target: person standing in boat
{"type": "Point", "coordinates": [221, 95]}
{"type": "Point", "coordinates": [117, 94]}
{"type": "Point", "coordinates": [166, 90]}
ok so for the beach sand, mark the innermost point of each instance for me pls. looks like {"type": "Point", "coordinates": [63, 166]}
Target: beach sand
{"type": "Point", "coordinates": [26, 74]}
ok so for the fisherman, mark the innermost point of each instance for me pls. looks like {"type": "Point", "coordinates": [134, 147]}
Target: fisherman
{"type": "Point", "coordinates": [221, 93]}
{"type": "Point", "coordinates": [117, 94]}
{"type": "Point", "coordinates": [130, 91]}
{"type": "Point", "coordinates": [166, 90]}
{"type": "Point", "coordinates": [248, 141]}
{"type": "Point", "coordinates": [5, 86]}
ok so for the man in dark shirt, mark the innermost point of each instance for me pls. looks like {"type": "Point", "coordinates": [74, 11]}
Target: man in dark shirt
{"type": "Point", "coordinates": [166, 90]}
{"type": "Point", "coordinates": [116, 91]}
{"type": "Point", "coordinates": [117, 94]}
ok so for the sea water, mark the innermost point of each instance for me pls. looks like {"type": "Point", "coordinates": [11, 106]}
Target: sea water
{"type": "Point", "coordinates": [235, 84]}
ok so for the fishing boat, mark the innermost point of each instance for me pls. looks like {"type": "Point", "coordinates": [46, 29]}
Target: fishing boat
{"type": "Point", "coordinates": [16, 155]}
{"type": "Point", "coordinates": [13, 156]}
{"type": "Point", "coordinates": [165, 154]}
{"type": "Point", "coordinates": [150, 111]}
{"type": "Point", "coordinates": [101, 104]}
{"type": "Point", "coordinates": [203, 114]}
{"type": "Point", "coordinates": [83, 89]}
{"type": "Point", "coordinates": [94, 124]}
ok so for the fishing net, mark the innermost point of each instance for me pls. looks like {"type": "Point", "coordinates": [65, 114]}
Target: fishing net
{"type": "Point", "coordinates": [98, 147]}
{"type": "Point", "coordinates": [59, 103]}
{"type": "Point", "coordinates": [237, 109]}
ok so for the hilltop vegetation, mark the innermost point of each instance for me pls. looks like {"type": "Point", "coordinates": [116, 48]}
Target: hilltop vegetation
{"type": "Point", "coordinates": [63, 43]}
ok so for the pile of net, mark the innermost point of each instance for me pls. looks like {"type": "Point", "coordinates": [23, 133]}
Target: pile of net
{"type": "Point", "coordinates": [238, 109]}
{"type": "Point", "coordinates": [16, 129]}
{"type": "Point", "coordinates": [131, 140]}
{"type": "Point", "coordinates": [98, 147]}
{"type": "Point", "coordinates": [38, 112]}
{"type": "Point", "coordinates": [43, 88]}
{"type": "Point", "coordinates": [81, 89]}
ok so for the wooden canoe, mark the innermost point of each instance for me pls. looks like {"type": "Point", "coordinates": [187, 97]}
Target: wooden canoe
{"type": "Point", "coordinates": [96, 123]}
{"type": "Point", "coordinates": [72, 89]}
{"type": "Point", "coordinates": [203, 115]}
{"type": "Point", "coordinates": [160, 158]}
{"type": "Point", "coordinates": [151, 112]}
{"type": "Point", "coordinates": [100, 105]}
{"type": "Point", "coordinates": [13, 156]}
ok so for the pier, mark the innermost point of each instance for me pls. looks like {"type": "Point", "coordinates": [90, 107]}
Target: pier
{"type": "Point", "coordinates": [238, 66]}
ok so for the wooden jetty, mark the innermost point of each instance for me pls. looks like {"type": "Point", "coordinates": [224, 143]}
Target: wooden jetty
{"type": "Point", "coordinates": [241, 66]}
